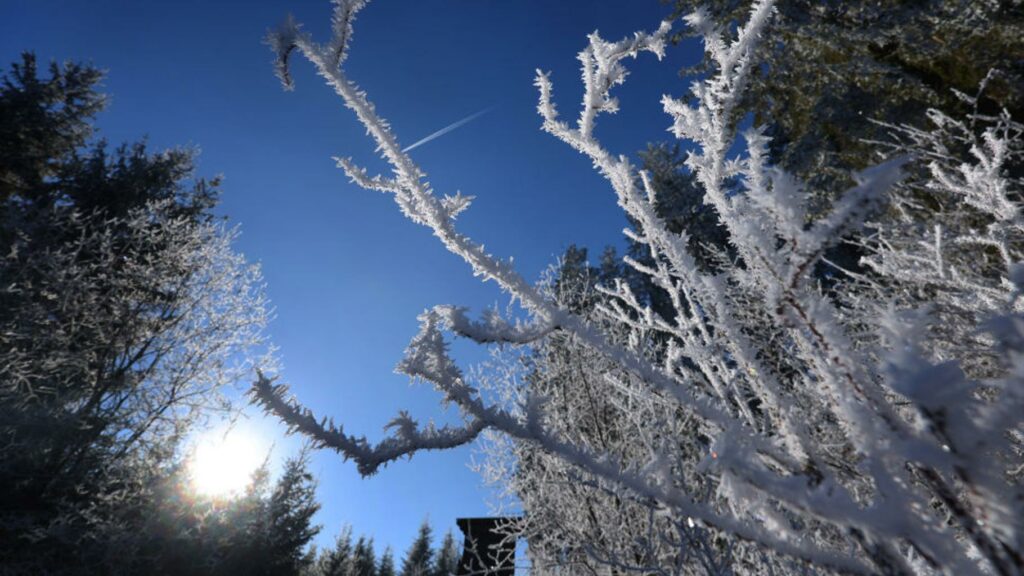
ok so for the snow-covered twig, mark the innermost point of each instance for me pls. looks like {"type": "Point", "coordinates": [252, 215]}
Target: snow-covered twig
{"type": "Point", "coordinates": [719, 412]}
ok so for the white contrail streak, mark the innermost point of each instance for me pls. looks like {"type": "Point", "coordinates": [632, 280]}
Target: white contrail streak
{"type": "Point", "coordinates": [448, 128]}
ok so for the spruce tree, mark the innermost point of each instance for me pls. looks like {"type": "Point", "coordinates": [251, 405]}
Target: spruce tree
{"type": "Point", "coordinates": [447, 562]}
{"type": "Point", "coordinates": [123, 312]}
{"type": "Point", "coordinates": [386, 566]}
{"type": "Point", "coordinates": [364, 562]}
{"type": "Point", "coordinates": [290, 510]}
{"type": "Point", "coordinates": [336, 561]}
{"type": "Point", "coordinates": [44, 122]}
{"type": "Point", "coordinates": [417, 560]}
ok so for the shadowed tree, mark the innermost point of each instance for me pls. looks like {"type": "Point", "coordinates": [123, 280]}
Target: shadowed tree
{"type": "Point", "coordinates": [337, 560]}
{"type": "Point", "coordinates": [419, 557]}
{"type": "Point", "coordinates": [386, 567]}
{"type": "Point", "coordinates": [830, 69]}
{"type": "Point", "coordinates": [364, 562]}
{"type": "Point", "coordinates": [447, 560]}
{"type": "Point", "coordinates": [124, 311]}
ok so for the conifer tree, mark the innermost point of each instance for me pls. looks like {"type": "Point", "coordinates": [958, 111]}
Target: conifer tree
{"type": "Point", "coordinates": [44, 123]}
{"type": "Point", "coordinates": [248, 533]}
{"type": "Point", "coordinates": [832, 70]}
{"type": "Point", "coordinates": [364, 562]}
{"type": "Point", "coordinates": [290, 510]}
{"type": "Point", "coordinates": [337, 560]}
{"type": "Point", "coordinates": [386, 567]}
{"type": "Point", "coordinates": [418, 558]}
{"type": "Point", "coordinates": [447, 560]}
{"type": "Point", "coordinates": [123, 312]}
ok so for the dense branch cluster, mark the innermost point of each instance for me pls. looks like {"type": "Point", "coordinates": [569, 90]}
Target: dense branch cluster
{"type": "Point", "coordinates": [125, 311]}
{"type": "Point", "coordinates": [115, 340]}
{"type": "Point", "coordinates": [763, 422]}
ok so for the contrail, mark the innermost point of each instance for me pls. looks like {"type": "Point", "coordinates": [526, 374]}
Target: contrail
{"type": "Point", "coordinates": [448, 128]}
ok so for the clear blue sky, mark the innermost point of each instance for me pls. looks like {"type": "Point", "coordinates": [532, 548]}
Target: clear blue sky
{"type": "Point", "coordinates": [346, 273]}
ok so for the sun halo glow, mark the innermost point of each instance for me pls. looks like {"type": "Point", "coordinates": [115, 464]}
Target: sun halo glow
{"type": "Point", "coordinates": [222, 464]}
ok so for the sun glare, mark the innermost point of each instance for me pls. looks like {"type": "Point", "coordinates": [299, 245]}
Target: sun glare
{"type": "Point", "coordinates": [223, 463]}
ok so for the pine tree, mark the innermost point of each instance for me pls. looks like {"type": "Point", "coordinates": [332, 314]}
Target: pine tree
{"type": "Point", "coordinates": [44, 123]}
{"type": "Point", "coordinates": [386, 567]}
{"type": "Point", "coordinates": [364, 562]}
{"type": "Point", "coordinates": [418, 559]}
{"type": "Point", "coordinates": [448, 555]}
{"type": "Point", "coordinates": [290, 511]}
{"type": "Point", "coordinates": [336, 561]}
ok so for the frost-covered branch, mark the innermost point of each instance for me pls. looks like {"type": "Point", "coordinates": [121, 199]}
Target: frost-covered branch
{"type": "Point", "coordinates": [751, 405]}
{"type": "Point", "coordinates": [407, 439]}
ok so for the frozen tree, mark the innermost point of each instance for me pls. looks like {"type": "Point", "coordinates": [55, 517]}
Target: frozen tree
{"type": "Point", "coordinates": [833, 68]}
{"type": "Point", "coordinates": [124, 312]}
{"type": "Point", "coordinates": [575, 522]}
{"type": "Point", "coordinates": [759, 417]}
{"type": "Point", "coordinates": [954, 233]}
{"type": "Point", "coordinates": [114, 341]}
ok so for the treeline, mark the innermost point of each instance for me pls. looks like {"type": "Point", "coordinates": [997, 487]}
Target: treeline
{"type": "Point", "coordinates": [348, 558]}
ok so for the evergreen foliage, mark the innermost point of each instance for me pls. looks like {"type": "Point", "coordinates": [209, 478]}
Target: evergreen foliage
{"type": "Point", "coordinates": [419, 557]}
{"type": "Point", "coordinates": [364, 562]}
{"type": "Point", "coordinates": [289, 527]}
{"type": "Point", "coordinates": [44, 122]}
{"type": "Point", "coordinates": [123, 313]}
{"type": "Point", "coordinates": [447, 558]}
{"type": "Point", "coordinates": [386, 567]}
{"type": "Point", "coordinates": [832, 70]}
{"type": "Point", "coordinates": [335, 561]}
{"type": "Point", "coordinates": [263, 531]}
{"type": "Point", "coordinates": [359, 559]}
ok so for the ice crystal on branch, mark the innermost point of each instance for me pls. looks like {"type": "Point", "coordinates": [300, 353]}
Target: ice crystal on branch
{"type": "Point", "coordinates": [753, 408]}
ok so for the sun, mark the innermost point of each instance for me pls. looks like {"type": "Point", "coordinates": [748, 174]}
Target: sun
{"type": "Point", "coordinates": [223, 462]}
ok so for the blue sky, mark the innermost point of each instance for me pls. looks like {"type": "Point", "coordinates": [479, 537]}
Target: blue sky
{"type": "Point", "coordinates": [346, 273]}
